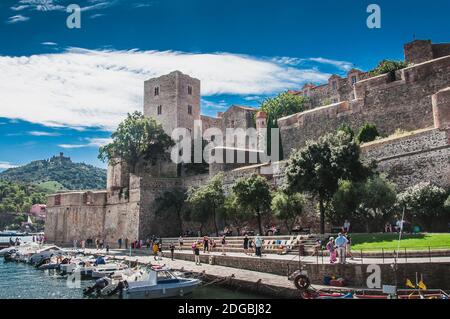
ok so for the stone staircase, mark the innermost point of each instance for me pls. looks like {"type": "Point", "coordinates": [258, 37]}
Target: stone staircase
{"type": "Point", "coordinates": [271, 244]}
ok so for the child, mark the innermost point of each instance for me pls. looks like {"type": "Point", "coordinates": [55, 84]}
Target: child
{"type": "Point", "coordinates": [155, 250]}
{"type": "Point", "coordinates": [332, 250]}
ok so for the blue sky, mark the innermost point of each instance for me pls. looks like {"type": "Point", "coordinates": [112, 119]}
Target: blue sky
{"type": "Point", "coordinates": [65, 89]}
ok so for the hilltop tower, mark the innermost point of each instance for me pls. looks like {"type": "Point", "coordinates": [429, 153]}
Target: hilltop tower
{"type": "Point", "coordinates": [173, 100]}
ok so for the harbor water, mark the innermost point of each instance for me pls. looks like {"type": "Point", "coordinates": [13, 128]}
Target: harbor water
{"type": "Point", "coordinates": [23, 281]}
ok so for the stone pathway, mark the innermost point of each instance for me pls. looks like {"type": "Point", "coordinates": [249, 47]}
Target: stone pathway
{"type": "Point", "coordinates": [305, 259]}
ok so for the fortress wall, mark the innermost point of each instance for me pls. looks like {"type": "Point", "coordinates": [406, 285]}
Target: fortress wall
{"type": "Point", "coordinates": [403, 104]}
{"type": "Point", "coordinates": [149, 223]}
{"type": "Point", "coordinates": [408, 160]}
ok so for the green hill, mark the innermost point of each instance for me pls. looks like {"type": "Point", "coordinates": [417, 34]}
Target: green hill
{"type": "Point", "coordinates": [57, 174]}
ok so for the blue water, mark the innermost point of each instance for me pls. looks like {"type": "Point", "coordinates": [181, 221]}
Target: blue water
{"type": "Point", "coordinates": [23, 281]}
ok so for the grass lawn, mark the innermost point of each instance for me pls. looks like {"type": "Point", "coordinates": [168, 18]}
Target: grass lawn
{"type": "Point", "coordinates": [390, 241]}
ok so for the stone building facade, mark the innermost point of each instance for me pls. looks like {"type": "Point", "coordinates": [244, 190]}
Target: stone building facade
{"type": "Point", "coordinates": [415, 99]}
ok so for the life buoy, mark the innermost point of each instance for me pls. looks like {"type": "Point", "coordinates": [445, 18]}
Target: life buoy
{"type": "Point", "coordinates": [302, 282]}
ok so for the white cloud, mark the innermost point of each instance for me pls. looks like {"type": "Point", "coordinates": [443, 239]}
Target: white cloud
{"type": "Point", "coordinates": [39, 133]}
{"type": "Point", "coordinates": [41, 5]}
{"type": "Point", "coordinates": [342, 65]}
{"type": "Point", "coordinates": [91, 142]}
{"type": "Point", "coordinates": [87, 88]}
{"type": "Point", "coordinates": [49, 43]}
{"type": "Point", "coordinates": [20, 7]}
{"type": "Point", "coordinates": [98, 15]}
{"type": "Point", "coordinates": [6, 165]}
{"type": "Point", "coordinates": [72, 145]}
{"type": "Point", "coordinates": [17, 18]}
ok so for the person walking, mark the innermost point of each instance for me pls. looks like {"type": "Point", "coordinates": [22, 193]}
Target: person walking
{"type": "Point", "coordinates": [349, 246]}
{"type": "Point", "coordinates": [172, 249]}
{"type": "Point", "coordinates": [224, 244]}
{"type": "Point", "coordinates": [126, 243]}
{"type": "Point", "coordinates": [197, 254]}
{"type": "Point", "coordinates": [331, 249]}
{"type": "Point", "coordinates": [246, 244]}
{"type": "Point", "coordinates": [97, 243]}
{"type": "Point", "coordinates": [160, 249]}
{"type": "Point", "coordinates": [258, 246]}
{"type": "Point", "coordinates": [155, 250]}
{"type": "Point", "coordinates": [341, 243]}
{"type": "Point", "coordinates": [119, 242]}
{"type": "Point", "coordinates": [346, 227]}
{"type": "Point", "coordinates": [180, 242]}
{"type": "Point", "coordinates": [205, 244]}
{"type": "Point", "coordinates": [317, 247]}
{"type": "Point", "coordinates": [212, 244]}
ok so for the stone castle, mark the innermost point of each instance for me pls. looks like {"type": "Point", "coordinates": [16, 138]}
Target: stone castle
{"type": "Point", "coordinates": [415, 100]}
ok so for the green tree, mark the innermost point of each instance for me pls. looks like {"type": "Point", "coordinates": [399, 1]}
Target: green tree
{"type": "Point", "coordinates": [283, 104]}
{"type": "Point", "coordinates": [174, 200]}
{"type": "Point", "coordinates": [253, 195]}
{"type": "Point", "coordinates": [378, 198]}
{"type": "Point", "coordinates": [137, 139]}
{"type": "Point", "coordinates": [424, 201]}
{"type": "Point", "coordinates": [367, 133]}
{"type": "Point", "coordinates": [317, 168]}
{"type": "Point", "coordinates": [386, 66]}
{"type": "Point", "coordinates": [234, 213]}
{"type": "Point", "coordinates": [207, 199]}
{"type": "Point", "coordinates": [288, 208]}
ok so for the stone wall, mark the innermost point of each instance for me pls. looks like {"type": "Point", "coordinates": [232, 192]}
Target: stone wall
{"type": "Point", "coordinates": [401, 104]}
{"type": "Point", "coordinates": [408, 160]}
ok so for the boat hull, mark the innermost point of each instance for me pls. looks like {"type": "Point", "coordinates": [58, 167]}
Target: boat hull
{"type": "Point", "coordinates": [170, 290]}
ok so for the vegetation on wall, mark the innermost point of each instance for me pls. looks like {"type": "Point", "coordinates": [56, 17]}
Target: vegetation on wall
{"type": "Point", "coordinates": [367, 133]}
{"type": "Point", "coordinates": [138, 139]}
{"type": "Point", "coordinates": [386, 66]}
{"type": "Point", "coordinates": [283, 104]}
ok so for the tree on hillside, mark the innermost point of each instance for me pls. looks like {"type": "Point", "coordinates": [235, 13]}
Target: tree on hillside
{"type": "Point", "coordinates": [207, 199]}
{"type": "Point", "coordinates": [317, 168]}
{"type": "Point", "coordinates": [137, 139]}
{"type": "Point", "coordinates": [424, 201]}
{"type": "Point", "coordinates": [174, 200]}
{"type": "Point", "coordinates": [253, 195]}
{"type": "Point", "coordinates": [283, 104]}
{"type": "Point", "coordinates": [288, 208]}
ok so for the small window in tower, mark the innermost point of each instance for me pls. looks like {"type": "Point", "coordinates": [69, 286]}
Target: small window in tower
{"type": "Point", "coordinates": [354, 79]}
{"type": "Point", "coordinates": [156, 90]}
{"type": "Point", "coordinates": [159, 109]}
{"type": "Point", "coordinates": [334, 84]}
{"type": "Point", "coordinates": [189, 109]}
{"type": "Point", "coordinates": [189, 90]}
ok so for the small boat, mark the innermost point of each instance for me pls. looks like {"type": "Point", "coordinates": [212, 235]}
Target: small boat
{"type": "Point", "coordinates": [106, 270]}
{"type": "Point", "coordinates": [45, 253]}
{"type": "Point", "coordinates": [159, 282]}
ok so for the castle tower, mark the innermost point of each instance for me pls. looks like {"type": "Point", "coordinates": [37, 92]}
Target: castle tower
{"type": "Point", "coordinates": [261, 128]}
{"type": "Point", "coordinates": [173, 100]}
{"type": "Point", "coordinates": [441, 109]}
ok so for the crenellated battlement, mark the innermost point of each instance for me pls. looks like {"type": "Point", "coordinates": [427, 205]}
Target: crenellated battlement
{"type": "Point", "coordinates": [392, 101]}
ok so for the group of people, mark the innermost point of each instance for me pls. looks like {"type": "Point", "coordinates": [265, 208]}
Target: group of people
{"type": "Point", "coordinates": [339, 247]}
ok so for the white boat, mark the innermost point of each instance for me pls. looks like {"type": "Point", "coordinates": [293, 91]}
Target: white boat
{"type": "Point", "coordinates": [101, 271]}
{"type": "Point", "coordinates": [44, 253]}
{"type": "Point", "coordinates": [23, 247]}
{"type": "Point", "coordinates": [159, 282]}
